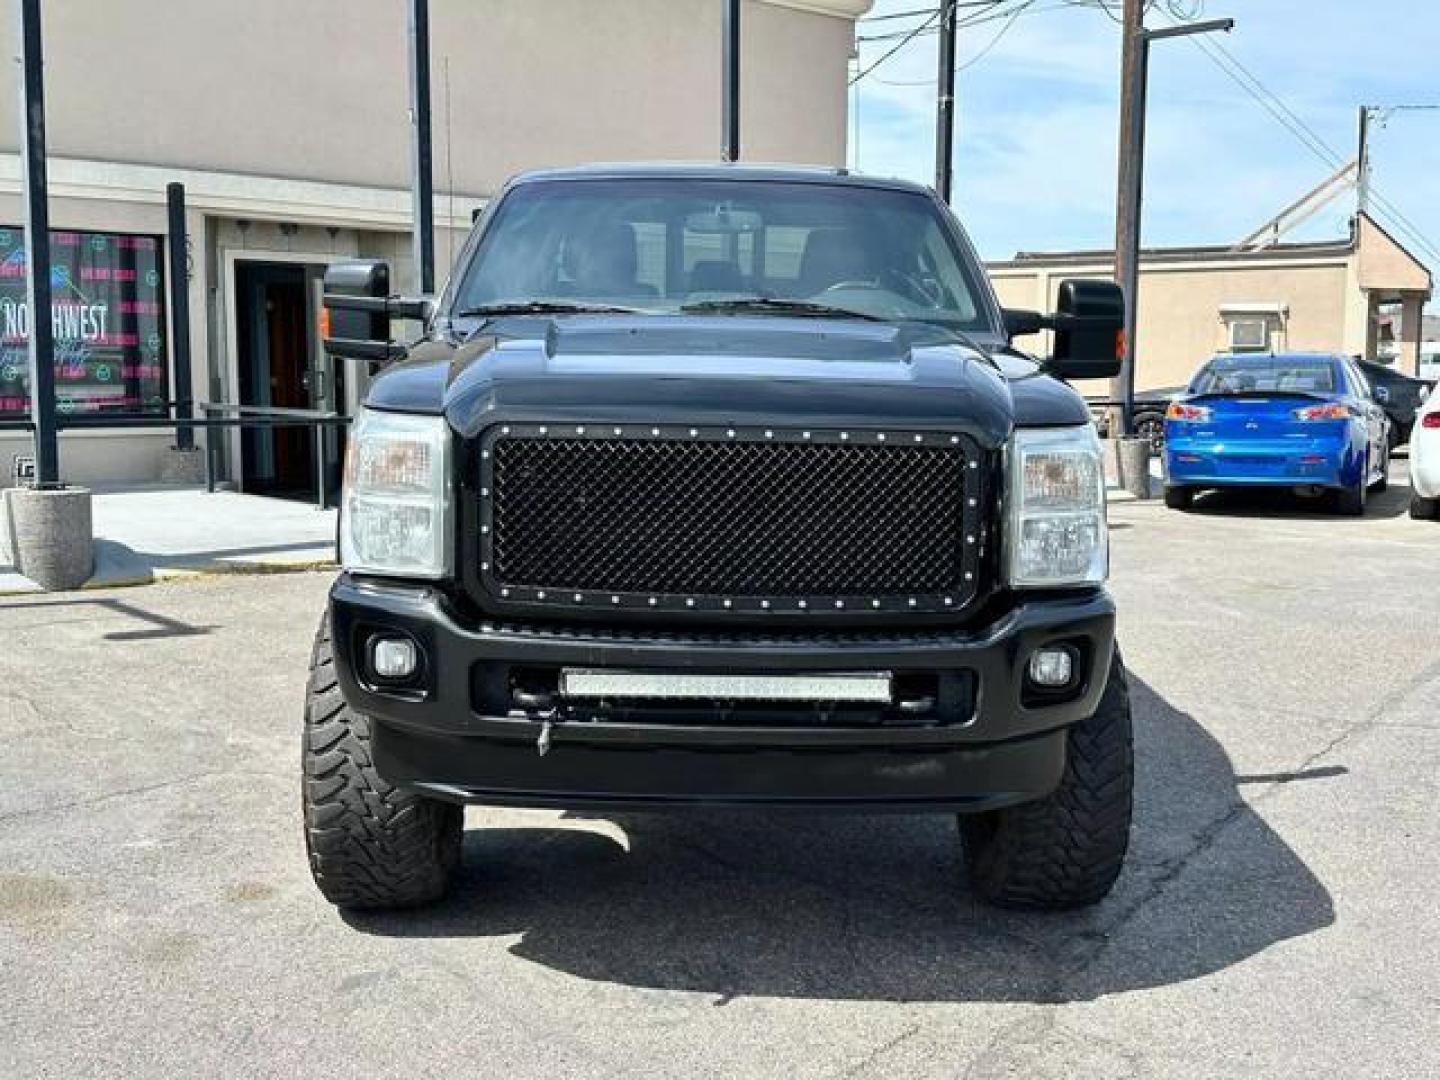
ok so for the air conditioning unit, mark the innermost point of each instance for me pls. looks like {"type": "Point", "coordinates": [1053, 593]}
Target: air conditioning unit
{"type": "Point", "coordinates": [1254, 327]}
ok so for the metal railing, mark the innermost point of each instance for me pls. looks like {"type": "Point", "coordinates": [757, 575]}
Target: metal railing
{"type": "Point", "coordinates": [240, 416]}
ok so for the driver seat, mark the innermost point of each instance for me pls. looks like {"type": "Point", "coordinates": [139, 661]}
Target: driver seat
{"type": "Point", "coordinates": [832, 256]}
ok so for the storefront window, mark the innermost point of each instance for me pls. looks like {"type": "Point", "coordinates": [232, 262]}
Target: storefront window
{"type": "Point", "coordinates": [108, 312]}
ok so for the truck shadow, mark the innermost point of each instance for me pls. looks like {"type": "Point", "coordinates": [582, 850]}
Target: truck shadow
{"type": "Point", "coordinates": [875, 908]}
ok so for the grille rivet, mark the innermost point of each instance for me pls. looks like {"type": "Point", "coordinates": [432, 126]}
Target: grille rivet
{"type": "Point", "coordinates": [693, 433]}
{"type": "Point", "coordinates": [875, 603]}
{"type": "Point", "coordinates": [579, 599]}
{"type": "Point", "coordinates": [727, 603]}
{"type": "Point", "coordinates": [769, 434]}
{"type": "Point", "coordinates": [505, 431]}
{"type": "Point", "coordinates": [919, 438]}
{"type": "Point", "coordinates": [484, 528]}
{"type": "Point", "coordinates": [765, 604]}
{"type": "Point", "coordinates": [504, 592]}
{"type": "Point", "coordinates": [880, 437]}
{"type": "Point", "coordinates": [484, 566]}
{"type": "Point", "coordinates": [949, 600]}
{"type": "Point", "coordinates": [974, 464]}
{"type": "Point", "coordinates": [618, 431]}
{"type": "Point", "coordinates": [544, 430]}
{"type": "Point", "coordinates": [689, 601]}
{"type": "Point", "coordinates": [484, 492]}
{"type": "Point", "coordinates": [484, 453]}
{"type": "Point", "coordinates": [969, 539]}
{"type": "Point", "coordinates": [653, 601]}
{"type": "Point", "coordinates": [969, 576]}
{"type": "Point", "coordinates": [839, 603]}
{"type": "Point", "coordinates": [954, 440]}
{"type": "Point", "coordinates": [579, 429]}
{"type": "Point", "coordinates": [971, 502]}
{"type": "Point", "coordinates": [844, 435]}
{"type": "Point", "coordinates": [730, 434]}
{"type": "Point", "coordinates": [804, 434]}
{"type": "Point", "coordinates": [540, 595]}
{"type": "Point", "coordinates": [615, 599]}
{"type": "Point", "coordinates": [654, 431]}
{"type": "Point", "coordinates": [804, 604]}
{"type": "Point", "coordinates": [911, 602]}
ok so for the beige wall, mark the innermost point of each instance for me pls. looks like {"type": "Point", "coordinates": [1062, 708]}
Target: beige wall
{"type": "Point", "coordinates": [317, 88]}
{"type": "Point", "coordinates": [1180, 323]}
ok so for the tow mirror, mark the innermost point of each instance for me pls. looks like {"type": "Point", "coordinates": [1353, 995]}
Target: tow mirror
{"type": "Point", "coordinates": [358, 309]}
{"type": "Point", "coordinates": [1381, 394]}
{"type": "Point", "coordinates": [1089, 324]}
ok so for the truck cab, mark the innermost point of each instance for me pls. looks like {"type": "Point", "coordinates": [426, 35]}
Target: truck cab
{"type": "Point", "coordinates": [720, 486]}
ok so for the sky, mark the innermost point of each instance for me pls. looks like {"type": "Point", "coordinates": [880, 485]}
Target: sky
{"type": "Point", "coordinates": [1038, 115]}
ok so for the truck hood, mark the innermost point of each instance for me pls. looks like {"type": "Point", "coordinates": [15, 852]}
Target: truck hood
{"type": "Point", "coordinates": [723, 370]}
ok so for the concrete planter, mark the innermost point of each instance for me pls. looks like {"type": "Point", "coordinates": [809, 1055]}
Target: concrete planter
{"type": "Point", "coordinates": [1133, 452]}
{"type": "Point", "coordinates": [51, 536]}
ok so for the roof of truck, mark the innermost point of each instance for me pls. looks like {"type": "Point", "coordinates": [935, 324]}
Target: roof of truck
{"type": "Point", "coordinates": [667, 170]}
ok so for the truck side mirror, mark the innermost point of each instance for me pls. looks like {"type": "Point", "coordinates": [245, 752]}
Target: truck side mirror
{"type": "Point", "coordinates": [1089, 325]}
{"type": "Point", "coordinates": [358, 308]}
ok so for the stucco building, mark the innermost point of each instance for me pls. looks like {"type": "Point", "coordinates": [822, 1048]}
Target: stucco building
{"type": "Point", "coordinates": [288, 125]}
{"type": "Point", "coordinates": [1197, 301]}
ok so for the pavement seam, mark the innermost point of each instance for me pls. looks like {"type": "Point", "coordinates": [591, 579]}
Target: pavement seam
{"type": "Point", "coordinates": [140, 789]}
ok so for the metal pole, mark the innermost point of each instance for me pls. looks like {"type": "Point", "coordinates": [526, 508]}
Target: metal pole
{"type": "Point", "coordinates": [945, 104]}
{"type": "Point", "coordinates": [37, 244]}
{"type": "Point", "coordinates": [1128, 196]}
{"type": "Point", "coordinates": [180, 314]}
{"type": "Point", "coordinates": [730, 110]}
{"type": "Point", "coordinates": [422, 179]}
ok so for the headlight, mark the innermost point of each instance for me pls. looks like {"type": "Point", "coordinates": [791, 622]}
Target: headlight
{"type": "Point", "coordinates": [1055, 520]}
{"type": "Point", "coordinates": [395, 509]}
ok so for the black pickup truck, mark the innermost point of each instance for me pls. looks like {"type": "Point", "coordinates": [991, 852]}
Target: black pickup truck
{"type": "Point", "coordinates": [719, 486]}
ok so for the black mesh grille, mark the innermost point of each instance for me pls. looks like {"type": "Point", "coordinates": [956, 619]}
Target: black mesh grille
{"type": "Point", "coordinates": [729, 516]}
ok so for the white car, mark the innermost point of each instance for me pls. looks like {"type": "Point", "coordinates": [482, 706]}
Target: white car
{"type": "Point", "coordinates": [1425, 460]}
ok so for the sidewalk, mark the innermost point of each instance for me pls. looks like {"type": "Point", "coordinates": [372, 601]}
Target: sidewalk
{"type": "Point", "coordinates": [143, 533]}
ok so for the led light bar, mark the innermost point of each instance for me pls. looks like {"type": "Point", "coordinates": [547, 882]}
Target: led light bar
{"type": "Point", "coordinates": [870, 686]}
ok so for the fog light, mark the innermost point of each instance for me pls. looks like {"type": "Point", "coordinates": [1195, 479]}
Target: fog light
{"type": "Point", "coordinates": [393, 658]}
{"type": "Point", "coordinates": [1052, 668]}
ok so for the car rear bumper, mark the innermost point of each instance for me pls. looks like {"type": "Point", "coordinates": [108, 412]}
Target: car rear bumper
{"type": "Point", "coordinates": [445, 736]}
{"type": "Point", "coordinates": [1425, 464]}
{"type": "Point", "coordinates": [1200, 462]}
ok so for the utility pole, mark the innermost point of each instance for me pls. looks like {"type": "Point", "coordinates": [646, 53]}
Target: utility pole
{"type": "Point", "coordinates": [35, 182]}
{"type": "Point", "coordinates": [1362, 174]}
{"type": "Point", "coordinates": [422, 183]}
{"type": "Point", "coordinates": [730, 63]}
{"type": "Point", "coordinates": [1129, 194]}
{"type": "Point", "coordinates": [1135, 72]}
{"type": "Point", "coordinates": [945, 103]}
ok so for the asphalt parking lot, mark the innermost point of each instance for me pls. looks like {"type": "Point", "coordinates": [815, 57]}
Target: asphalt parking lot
{"type": "Point", "coordinates": [1277, 918]}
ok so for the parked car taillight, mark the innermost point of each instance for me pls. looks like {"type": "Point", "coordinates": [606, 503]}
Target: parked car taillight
{"type": "Point", "coordinates": [1430, 420]}
{"type": "Point", "coordinates": [1192, 413]}
{"type": "Point", "coordinates": [1328, 411]}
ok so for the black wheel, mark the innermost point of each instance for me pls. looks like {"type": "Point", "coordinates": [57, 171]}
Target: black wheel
{"type": "Point", "coordinates": [1152, 426]}
{"type": "Point", "coordinates": [1065, 850]}
{"type": "Point", "coordinates": [371, 845]}
{"type": "Point", "coordinates": [1178, 497]}
{"type": "Point", "coordinates": [1424, 509]}
{"type": "Point", "coordinates": [1350, 501]}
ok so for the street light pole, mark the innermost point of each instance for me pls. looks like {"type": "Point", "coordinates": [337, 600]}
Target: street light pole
{"type": "Point", "coordinates": [945, 103]}
{"type": "Point", "coordinates": [1130, 190]}
{"type": "Point", "coordinates": [35, 182]}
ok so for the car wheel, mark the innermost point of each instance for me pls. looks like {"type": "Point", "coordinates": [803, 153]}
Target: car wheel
{"type": "Point", "coordinates": [1065, 850]}
{"type": "Point", "coordinates": [1424, 509]}
{"type": "Point", "coordinates": [1151, 426]}
{"type": "Point", "coordinates": [1350, 501]}
{"type": "Point", "coordinates": [1178, 497]}
{"type": "Point", "coordinates": [371, 845]}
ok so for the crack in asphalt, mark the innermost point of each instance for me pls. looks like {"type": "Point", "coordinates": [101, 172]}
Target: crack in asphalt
{"type": "Point", "coordinates": [75, 804]}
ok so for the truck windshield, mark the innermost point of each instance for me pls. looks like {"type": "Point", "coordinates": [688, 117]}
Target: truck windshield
{"type": "Point", "coordinates": [669, 245]}
{"type": "Point", "coordinates": [1278, 374]}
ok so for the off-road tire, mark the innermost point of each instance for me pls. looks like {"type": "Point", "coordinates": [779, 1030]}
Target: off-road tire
{"type": "Point", "coordinates": [1065, 850]}
{"type": "Point", "coordinates": [371, 844]}
{"type": "Point", "coordinates": [1178, 497]}
{"type": "Point", "coordinates": [1424, 509]}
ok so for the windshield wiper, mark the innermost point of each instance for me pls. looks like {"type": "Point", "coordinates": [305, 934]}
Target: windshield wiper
{"type": "Point", "coordinates": [545, 307]}
{"type": "Point", "coordinates": [777, 306]}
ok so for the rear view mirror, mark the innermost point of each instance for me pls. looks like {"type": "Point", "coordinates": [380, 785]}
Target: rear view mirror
{"type": "Point", "coordinates": [355, 323]}
{"type": "Point", "coordinates": [1089, 325]}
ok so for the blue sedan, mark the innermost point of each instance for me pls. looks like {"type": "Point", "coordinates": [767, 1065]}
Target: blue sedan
{"type": "Point", "coordinates": [1308, 421]}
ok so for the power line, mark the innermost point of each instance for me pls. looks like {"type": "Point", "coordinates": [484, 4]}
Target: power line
{"type": "Point", "coordinates": [911, 36]}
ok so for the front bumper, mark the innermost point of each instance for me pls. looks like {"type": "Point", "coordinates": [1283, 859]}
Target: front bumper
{"type": "Point", "coordinates": [444, 737]}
